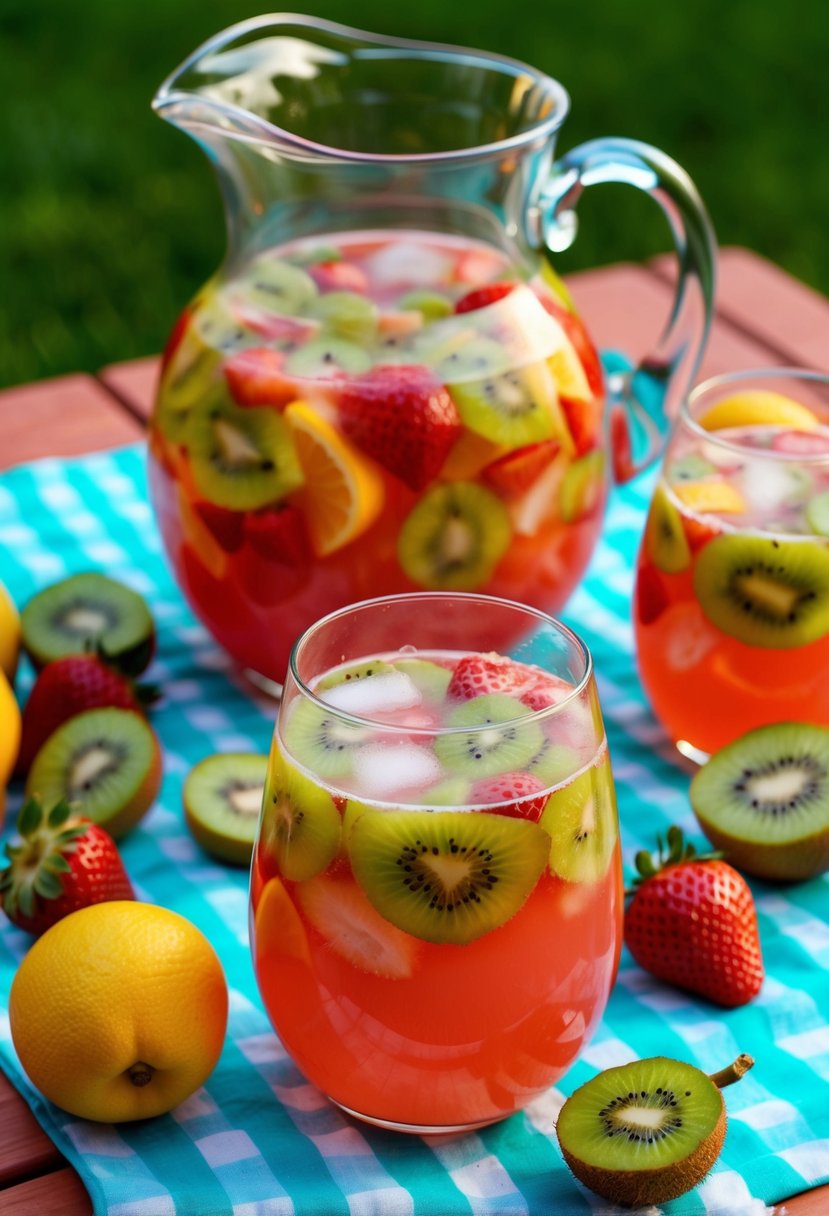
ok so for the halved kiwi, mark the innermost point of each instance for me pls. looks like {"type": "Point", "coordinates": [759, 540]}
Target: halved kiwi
{"type": "Point", "coordinates": [300, 824]}
{"type": "Point", "coordinates": [222, 801]}
{"type": "Point", "coordinates": [454, 537]}
{"type": "Point", "coordinates": [347, 314]}
{"type": "Point", "coordinates": [501, 736]}
{"type": "Point", "coordinates": [89, 612]}
{"type": "Point", "coordinates": [514, 408]}
{"type": "Point", "coordinates": [431, 679]}
{"type": "Point", "coordinates": [665, 541]}
{"type": "Point", "coordinates": [105, 762]}
{"type": "Point", "coordinates": [326, 358]}
{"type": "Point", "coordinates": [320, 740]}
{"type": "Point", "coordinates": [447, 877]}
{"type": "Point", "coordinates": [765, 592]}
{"type": "Point", "coordinates": [764, 800]}
{"type": "Point", "coordinates": [581, 821]}
{"type": "Point", "coordinates": [241, 458]}
{"type": "Point", "coordinates": [272, 285]}
{"type": "Point", "coordinates": [646, 1132]}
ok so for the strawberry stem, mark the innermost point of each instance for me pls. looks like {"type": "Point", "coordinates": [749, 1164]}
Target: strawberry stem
{"type": "Point", "coordinates": [672, 851]}
{"type": "Point", "coordinates": [739, 1068]}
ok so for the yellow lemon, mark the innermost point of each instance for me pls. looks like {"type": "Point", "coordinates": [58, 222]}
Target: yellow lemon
{"type": "Point", "coordinates": [9, 634]}
{"type": "Point", "coordinates": [759, 407]}
{"type": "Point", "coordinates": [119, 1011]}
{"type": "Point", "coordinates": [9, 735]}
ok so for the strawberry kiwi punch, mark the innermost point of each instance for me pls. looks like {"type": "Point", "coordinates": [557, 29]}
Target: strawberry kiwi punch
{"type": "Point", "coordinates": [732, 590]}
{"type": "Point", "coordinates": [436, 889]}
{"type": "Point", "coordinates": [371, 414]}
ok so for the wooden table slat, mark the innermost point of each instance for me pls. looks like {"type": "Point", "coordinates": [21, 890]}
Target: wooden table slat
{"type": "Point", "coordinates": [134, 383]}
{"type": "Point", "coordinates": [25, 1149]}
{"type": "Point", "coordinates": [60, 1193]}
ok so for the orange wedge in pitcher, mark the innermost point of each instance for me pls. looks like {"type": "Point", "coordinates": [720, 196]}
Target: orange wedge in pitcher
{"type": "Point", "coordinates": [343, 491]}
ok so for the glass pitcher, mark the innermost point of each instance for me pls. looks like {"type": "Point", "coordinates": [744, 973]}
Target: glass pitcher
{"type": "Point", "coordinates": [385, 387]}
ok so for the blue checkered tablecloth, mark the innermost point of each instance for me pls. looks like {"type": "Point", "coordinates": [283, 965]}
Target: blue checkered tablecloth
{"type": "Point", "coordinates": [257, 1140]}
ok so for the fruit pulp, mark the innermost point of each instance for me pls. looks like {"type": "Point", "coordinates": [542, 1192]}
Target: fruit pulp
{"type": "Point", "coordinates": [366, 414]}
{"type": "Point", "coordinates": [711, 677]}
{"type": "Point", "coordinates": [400, 1025]}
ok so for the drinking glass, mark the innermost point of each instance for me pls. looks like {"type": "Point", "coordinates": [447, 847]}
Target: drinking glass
{"type": "Point", "coordinates": [731, 607]}
{"type": "Point", "coordinates": [436, 894]}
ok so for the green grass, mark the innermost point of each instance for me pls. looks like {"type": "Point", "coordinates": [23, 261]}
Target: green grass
{"type": "Point", "coordinates": [110, 219]}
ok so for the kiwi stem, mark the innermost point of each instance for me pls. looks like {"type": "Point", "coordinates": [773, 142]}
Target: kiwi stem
{"type": "Point", "coordinates": [140, 1074]}
{"type": "Point", "coordinates": [727, 1076]}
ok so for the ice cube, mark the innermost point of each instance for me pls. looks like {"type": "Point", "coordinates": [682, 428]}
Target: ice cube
{"type": "Point", "coordinates": [381, 769]}
{"type": "Point", "coordinates": [380, 694]}
{"type": "Point", "coordinates": [409, 264]}
{"type": "Point", "coordinates": [766, 485]}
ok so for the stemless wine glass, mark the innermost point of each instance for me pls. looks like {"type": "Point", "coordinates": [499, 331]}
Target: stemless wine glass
{"type": "Point", "coordinates": [436, 892]}
{"type": "Point", "coordinates": [732, 591]}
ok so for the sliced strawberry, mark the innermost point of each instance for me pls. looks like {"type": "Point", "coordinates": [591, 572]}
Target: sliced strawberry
{"type": "Point", "coordinates": [226, 526]}
{"type": "Point", "coordinates": [478, 674]}
{"type": "Point", "coordinates": [801, 443]}
{"type": "Point", "coordinates": [510, 794]}
{"type": "Point", "coordinates": [339, 276]}
{"type": "Point", "coordinates": [651, 598]}
{"type": "Point", "coordinates": [276, 559]}
{"type": "Point", "coordinates": [572, 325]}
{"type": "Point", "coordinates": [513, 474]}
{"type": "Point", "coordinates": [255, 377]}
{"type": "Point", "coordinates": [584, 422]}
{"type": "Point", "coordinates": [480, 297]}
{"type": "Point", "coordinates": [620, 446]}
{"type": "Point", "coordinates": [403, 417]}
{"type": "Point", "coordinates": [477, 266]}
{"type": "Point", "coordinates": [546, 691]}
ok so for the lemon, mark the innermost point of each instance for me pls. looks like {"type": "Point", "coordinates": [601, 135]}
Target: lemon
{"type": "Point", "coordinates": [119, 1011]}
{"type": "Point", "coordinates": [343, 491]}
{"type": "Point", "coordinates": [759, 407]}
{"type": "Point", "coordinates": [9, 634]}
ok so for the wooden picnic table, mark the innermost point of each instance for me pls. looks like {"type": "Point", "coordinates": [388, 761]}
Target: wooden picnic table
{"type": "Point", "coordinates": [764, 318]}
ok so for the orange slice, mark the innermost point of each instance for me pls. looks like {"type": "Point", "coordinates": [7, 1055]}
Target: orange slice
{"type": "Point", "coordinates": [717, 497]}
{"type": "Point", "coordinates": [343, 491]}
{"type": "Point", "coordinates": [759, 407]}
{"type": "Point", "coordinates": [568, 373]}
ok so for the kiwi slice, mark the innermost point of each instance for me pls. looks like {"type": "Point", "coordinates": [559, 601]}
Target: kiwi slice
{"type": "Point", "coordinates": [448, 877]}
{"type": "Point", "coordinates": [271, 285]}
{"type": "Point", "coordinates": [222, 800]}
{"type": "Point", "coordinates": [325, 358]}
{"type": "Point", "coordinates": [347, 314]}
{"type": "Point", "coordinates": [764, 800]}
{"type": "Point", "coordinates": [454, 537]}
{"type": "Point", "coordinates": [581, 821]}
{"type": "Point", "coordinates": [193, 371]}
{"type": "Point", "coordinates": [300, 823]}
{"type": "Point", "coordinates": [242, 458]}
{"type": "Point", "coordinates": [431, 679]}
{"type": "Point", "coordinates": [512, 409]}
{"type": "Point", "coordinates": [553, 763]}
{"type": "Point", "coordinates": [817, 513]}
{"type": "Point", "coordinates": [646, 1132]}
{"type": "Point", "coordinates": [766, 592]}
{"type": "Point", "coordinates": [320, 740]}
{"type": "Point", "coordinates": [454, 791]}
{"type": "Point", "coordinates": [692, 467]}
{"type": "Point", "coordinates": [104, 762]}
{"type": "Point", "coordinates": [581, 487]}
{"type": "Point", "coordinates": [665, 541]}
{"type": "Point", "coordinates": [432, 304]}
{"type": "Point", "coordinates": [501, 736]}
{"type": "Point", "coordinates": [354, 671]}
{"type": "Point", "coordinates": [89, 612]}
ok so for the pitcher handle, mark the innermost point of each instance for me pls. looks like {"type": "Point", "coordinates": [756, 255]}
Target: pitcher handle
{"type": "Point", "coordinates": [641, 398]}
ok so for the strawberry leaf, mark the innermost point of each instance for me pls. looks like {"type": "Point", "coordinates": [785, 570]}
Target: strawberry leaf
{"type": "Point", "coordinates": [30, 817]}
{"type": "Point", "coordinates": [59, 813]}
{"type": "Point", "coordinates": [47, 884]}
{"type": "Point", "coordinates": [25, 901]}
{"type": "Point", "coordinates": [59, 864]}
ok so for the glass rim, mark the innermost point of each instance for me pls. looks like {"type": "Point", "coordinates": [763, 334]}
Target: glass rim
{"type": "Point", "coordinates": [532, 715]}
{"type": "Point", "coordinates": [169, 93]}
{"type": "Point", "coordinates": [723, 380]}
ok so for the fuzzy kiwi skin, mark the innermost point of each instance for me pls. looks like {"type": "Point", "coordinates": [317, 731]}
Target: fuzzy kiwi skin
{"type": "Point", "coordinates": [643, 1188]}
{"type": "Point", "coordinates": [793, 862]}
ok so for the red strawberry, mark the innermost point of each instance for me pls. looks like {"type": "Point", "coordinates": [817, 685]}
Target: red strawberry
{"type": "Point", "coordinates": [545, 691]}
{"type": "Point", "coordinates": [692, 922]}
{"type": "Point", "coordinates": [513, 474]}
{"type": "Point", "coordinates": [480, 297]}
{"type": "Point", "coordinates": [339, 276]}
{"type": "Point", "coordinates": [620, 446]}
{"type": "Point", "coordinates": [255, 377]}
{"type": "Point", "coordinates": [801, 443]}
{"type": "Point", "coordinates": [69, 686]}
{"type": "Point", "coordinates": [62, 863]}
{"type": "Point", "coordinates": [403, 417]}
{"type": "Point", "coordinates": [226, 526]}
{"type": "Point", "coordinates": [586, 351]}
{"type": "Point", "coordinates": [478, 674]}
{"type": "Point", "coordinates": [276, 560]}
{"type": "Point", "coordinates": [510, 794]}
{"type": "Point", "coordinates": [584, 422]}
{"type": "Point", "coordinates": [176, 338]}
{"type": "Point", "coordinates": [651, 596]}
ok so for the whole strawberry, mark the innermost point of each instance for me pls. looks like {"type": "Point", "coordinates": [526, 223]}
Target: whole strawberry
{"type": "Point", "coordinates": [403, 417]}
{"type": "Point", "coordinates": [70, 686]}
{"type": "Point", "coordinates": [61, 863]}
{"type": "Point", "coordinates": [692, 922]}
